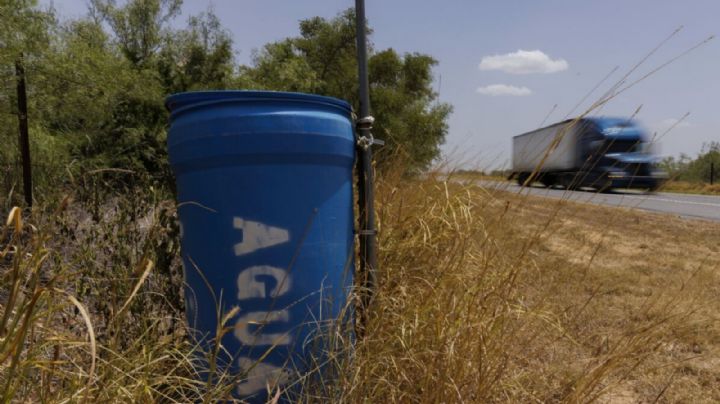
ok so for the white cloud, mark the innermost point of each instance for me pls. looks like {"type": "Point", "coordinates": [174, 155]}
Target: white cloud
{"type": "Point", "coordinates": [523, 62]}
{"type": "Point", "coordinates": [504, 89]}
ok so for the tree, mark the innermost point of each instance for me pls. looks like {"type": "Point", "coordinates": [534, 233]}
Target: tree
{"type": "Point", "coordinates": [107, 90]}
{"type": "Point", "coordinates": [138, 25]}
{"type": "Point", "coordinates": [279, 66]}
{"type": "Point", "coordinates": [25, 30]}
{"type": "Point", "coordinates": [685, 168]}
{"type": "Point", "coordinates": [675, 167]}
{"type": "Point", "coordinates": [322, 60]}
{"type": "Point", "coordinates": [405, 105]}
{"type": "Point", "coordinates": [198, 57]}
{"type": "Point", "coordinates": [96, 85]}
{"type": "Point", "coordinates": [109, 110]}
{"type": "Point", "coordinates": [699, 168]}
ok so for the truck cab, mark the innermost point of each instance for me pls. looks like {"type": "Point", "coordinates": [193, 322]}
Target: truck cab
{"type": "Point", "coordinates": [617, 155]}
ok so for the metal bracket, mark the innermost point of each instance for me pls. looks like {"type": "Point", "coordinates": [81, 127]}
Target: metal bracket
{"type": "Point", "coordinates": [365, 124]}
{"type": "Point", "coordinates": [367, 120]}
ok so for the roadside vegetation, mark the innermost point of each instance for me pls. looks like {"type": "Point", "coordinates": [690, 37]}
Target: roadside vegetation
{"type": "Point", "coordinates": [97, 85]}
{"type": "Point", "coordinates": [697, 175]}
{"type": "Point", "coordinates": [485, 295]}
{"type": "Point", "coordinates": [691, 187]}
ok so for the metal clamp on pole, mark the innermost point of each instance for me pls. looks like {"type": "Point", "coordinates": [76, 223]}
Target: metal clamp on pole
{"type": "Point", "coordinates": [365, 138]}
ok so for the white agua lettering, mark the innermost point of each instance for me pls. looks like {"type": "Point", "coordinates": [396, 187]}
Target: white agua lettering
{"type": "Point", "coordinates": [260, 376]}
{"type": "Point", "coordinates": [261, 318]}
{"type": "Point", "coordinates": [257, 235]}
{"type": "Point", "coordinates": [250, 287]}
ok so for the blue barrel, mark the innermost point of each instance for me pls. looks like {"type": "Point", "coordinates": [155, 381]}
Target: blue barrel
{"type": "Point", "coordinates": [264, 188]}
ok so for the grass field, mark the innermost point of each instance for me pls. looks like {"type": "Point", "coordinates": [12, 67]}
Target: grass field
{"type": "Point", "coordinates": [548, 300]}
{"type": "Point", "coordinates": [485, 296]}
{"type": "Point", "coordinates": [627, 286]}
{"type": "Point", "coordinates": [685, 187]}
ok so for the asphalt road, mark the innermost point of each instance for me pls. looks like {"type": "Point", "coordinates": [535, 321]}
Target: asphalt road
{"type": "Point", "coordinates": [683, 205]}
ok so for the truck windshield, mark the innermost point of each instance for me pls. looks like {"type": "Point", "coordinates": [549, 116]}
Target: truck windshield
{"type": "Point", "coordinates": [622, 146]}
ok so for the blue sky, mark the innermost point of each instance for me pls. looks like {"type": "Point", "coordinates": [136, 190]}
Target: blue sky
{"type": "Point", "coordinates": [579, 43]}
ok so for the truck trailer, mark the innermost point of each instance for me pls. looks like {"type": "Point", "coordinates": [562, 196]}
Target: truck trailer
{"type": "Point", "coordinates": [602, 153]}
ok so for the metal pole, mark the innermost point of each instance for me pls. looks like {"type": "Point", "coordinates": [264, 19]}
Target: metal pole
{"type": "Point", "coordinates": [24, 138]}
{"type": "Point", "coordinates": [366, 219]}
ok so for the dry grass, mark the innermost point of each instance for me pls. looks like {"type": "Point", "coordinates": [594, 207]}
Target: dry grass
{"type": "Point", "coordinates": [492, 296]}
{"type": "Point", "coordinates": [485, 296]}
{"type": "Point", "coordinates": [631, 287]}
{"type": "Point", "coordinates": [685, 187]}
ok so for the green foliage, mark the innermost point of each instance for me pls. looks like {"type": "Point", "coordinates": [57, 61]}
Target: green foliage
{"type": "Point", "coordinates": [101, 93]}
{"type": "Point", "coordinates": [23, 28]}
{"type": "Point", "coordinates": [330, 50]}
{"type": "Point", "coordinates": [322, 60]}
{"type": "Point", "coordinates": [25, 32]}
{"type": "Point", "coordinates": [280, 67]}
{"type": "Point", "coordinates": [701, 166]}
{"type": "Point", "coordinates": [197, 58]}
{"type": "Point", "coordinates": [404, 105]}
{"type": "Point", "coordinates": [674, 165]}
{"type": "Point", "coordinates": [138, 25]}
{"type": "Point", "coordinates": [112, 123]}
{"type": "Point", "coordinates": [96, 85]}
{"type": "Point", "coordinates": [696, 170]}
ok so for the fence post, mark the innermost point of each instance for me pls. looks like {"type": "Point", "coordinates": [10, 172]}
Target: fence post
{"type": "Point", "coordinates": [712, 173]}
{"type": "Point", "coordinates": [23, 130]}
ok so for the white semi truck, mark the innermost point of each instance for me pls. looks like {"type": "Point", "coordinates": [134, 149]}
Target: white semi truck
{"type": "Point", "coordinates": [601, 153]}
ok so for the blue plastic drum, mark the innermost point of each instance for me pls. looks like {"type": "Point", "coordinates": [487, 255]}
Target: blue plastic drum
{"type": "Point", "coordinates": [264, 188]}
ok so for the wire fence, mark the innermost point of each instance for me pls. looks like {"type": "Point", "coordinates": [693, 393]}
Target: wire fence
{"type": "Point", "coordinates": [53, 181]}
{"type": "Point", "coordinates": [46, 177]}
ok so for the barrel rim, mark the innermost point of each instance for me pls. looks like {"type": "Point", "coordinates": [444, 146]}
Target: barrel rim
{"type": "Point", "coordinates": [179, 102]}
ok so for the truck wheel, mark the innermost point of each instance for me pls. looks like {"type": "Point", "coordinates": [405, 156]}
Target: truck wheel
{"type": "Point", "coordinates": [604, 188]}
{"type": "Point", "coordinates": [548, 181]}
{"type": "Point", "coordinates": [522, 177]}
{"type": "Point", "coordinates": [570, 182]}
